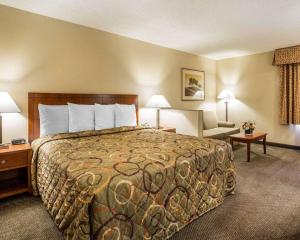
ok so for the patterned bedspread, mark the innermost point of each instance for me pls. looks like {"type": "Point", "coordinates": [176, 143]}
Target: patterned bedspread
{"type": "Point", "coordinates": [129, 183]}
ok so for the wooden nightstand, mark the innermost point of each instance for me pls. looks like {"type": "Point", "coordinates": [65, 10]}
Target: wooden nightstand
{"type": "Point", "coordinates": [15, 170]}
{"type": "Point", "coordinates": [168, 129]}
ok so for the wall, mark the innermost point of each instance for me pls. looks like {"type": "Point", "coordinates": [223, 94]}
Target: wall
{"type": "Point", "coordinates": [43, 54]}
{"type": "Point", "coordinates": [185, 121]}
{"type": "Point", "coordinates": [255, 83]}
{"type": "Point", "coordinates": [47, 55]}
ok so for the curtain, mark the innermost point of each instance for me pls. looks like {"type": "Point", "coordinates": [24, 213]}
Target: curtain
{"type": "Point", "coordinates": [288, 61]}
{"type": "Point", "coordinates": [289, 93]}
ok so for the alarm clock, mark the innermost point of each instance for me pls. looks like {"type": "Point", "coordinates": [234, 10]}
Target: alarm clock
{"type": "Point", "coordinates": [18, 141]}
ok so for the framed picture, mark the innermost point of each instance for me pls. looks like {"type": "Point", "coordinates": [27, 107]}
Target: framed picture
{"type": "Point", "coordinates": [193, 84]}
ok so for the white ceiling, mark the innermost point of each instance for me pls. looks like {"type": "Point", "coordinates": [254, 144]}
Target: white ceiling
{"type": "Point", "coordinates": [213, 28]}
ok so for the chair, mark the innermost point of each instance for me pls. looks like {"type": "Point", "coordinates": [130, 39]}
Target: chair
{"type": "Point", "coordinates": [212, 128]}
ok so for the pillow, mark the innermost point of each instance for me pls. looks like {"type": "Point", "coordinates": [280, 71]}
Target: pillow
{"type": "Point", "coordinates": [81, 117]}
{"type": "Point", "coordinates": [125, 115]}
{"type": "Point", "coordinates": [210, 120]}
{"type": "Point", "coordinates": [104, 116]}
{"type": "Point", "coordinates": [53, 119]}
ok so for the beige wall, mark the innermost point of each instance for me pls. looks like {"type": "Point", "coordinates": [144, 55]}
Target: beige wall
{"type": "Point", "coordinates": [48, 55]}
{"type": "Point", "coordinates": [256, 85]}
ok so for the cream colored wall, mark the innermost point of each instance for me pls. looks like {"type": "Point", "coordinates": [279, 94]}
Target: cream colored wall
{"type": "Point", "coordinates": [48, 55]}
{"type": "Point", "coordinates": [185, 121]}
{"type": "Point", "coordinates": [255, 83]}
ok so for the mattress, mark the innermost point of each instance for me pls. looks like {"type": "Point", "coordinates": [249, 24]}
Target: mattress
{"type": "Point", "coordinates": [129, 182]}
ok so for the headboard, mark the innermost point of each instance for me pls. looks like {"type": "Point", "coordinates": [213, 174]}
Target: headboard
{"type": "Point", "coordinates": [34, 99]}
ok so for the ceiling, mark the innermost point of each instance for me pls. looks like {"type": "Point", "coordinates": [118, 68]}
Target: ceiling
{"type": "Point", "coordinates": [215, 29]}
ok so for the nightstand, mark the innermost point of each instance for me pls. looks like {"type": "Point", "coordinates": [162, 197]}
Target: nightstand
{"type": "Point", "coordinates": [15, 170]}
{"type": "Point", "coordinates": [168, 129]}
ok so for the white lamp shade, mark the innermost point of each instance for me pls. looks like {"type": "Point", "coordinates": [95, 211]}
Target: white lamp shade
{"type": "Point", "coordinates": [158, 101]}
{"type": "Point", "coordinates": [226, 94]}
{"type": "Point", "coordinates": [7, 104]}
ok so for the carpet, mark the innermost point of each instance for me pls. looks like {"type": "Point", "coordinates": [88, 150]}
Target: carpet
{"type": "Point", "coordinates": [266, 205]}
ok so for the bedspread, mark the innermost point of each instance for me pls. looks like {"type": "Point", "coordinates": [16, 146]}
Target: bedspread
{"type": "Point", "coordinates": [129, 183]}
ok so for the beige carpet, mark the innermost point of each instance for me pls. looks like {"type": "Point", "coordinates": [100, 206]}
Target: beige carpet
{"type": "Point", "coordinates": [266, 205]}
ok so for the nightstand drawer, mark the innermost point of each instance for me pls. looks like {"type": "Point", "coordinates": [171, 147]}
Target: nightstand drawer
{"type": "Point", "coordinates": [13, 160]}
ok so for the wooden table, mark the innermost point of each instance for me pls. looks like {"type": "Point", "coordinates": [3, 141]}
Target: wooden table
{"type": "Point", "coordinates": [248, 139]}
{"type": "Point", "coordinates": [168, 129]}
{"type": "Point", "coordinates": [15, 170]}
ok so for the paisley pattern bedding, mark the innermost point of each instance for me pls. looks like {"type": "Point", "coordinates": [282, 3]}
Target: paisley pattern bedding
{"type": "Point", "coordinates": [129, 183]}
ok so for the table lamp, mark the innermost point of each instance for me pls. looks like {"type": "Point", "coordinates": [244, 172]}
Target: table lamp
{"type": "Point", "coordinates": [7, 105]}
{"type": "Point", "coordinates": [158, 102]}
{"type": "Point", "coordinates": [226, 95]}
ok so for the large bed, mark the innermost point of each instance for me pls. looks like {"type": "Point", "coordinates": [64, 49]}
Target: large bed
{"type": "Point", "coordinates": [125, 182]}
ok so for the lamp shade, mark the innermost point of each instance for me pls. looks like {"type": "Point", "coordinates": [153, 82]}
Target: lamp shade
{"type": "Point", "coordinates": [226, 94]}
{"type": "Point", "coordinates": [158, 101]}
{"type": "Point", "coordinates": [7, 104]}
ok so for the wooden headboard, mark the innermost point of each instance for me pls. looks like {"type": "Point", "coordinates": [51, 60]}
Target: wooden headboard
{"type": "Point", "coordinates": [34, 99]}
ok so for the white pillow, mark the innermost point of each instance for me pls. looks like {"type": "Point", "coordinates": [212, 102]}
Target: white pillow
{"type": "Point", "coordinates": [125, 115]}
{"type": "Point", "coordinates": [81, 117]}
{"type": "Point", "coordinates": [104, 116]}
{"type": "Point", "coordinates": [53, 119]}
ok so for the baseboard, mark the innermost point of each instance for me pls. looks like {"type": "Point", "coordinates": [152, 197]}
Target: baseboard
{"type": "Point", "coordinates": [282, 145]}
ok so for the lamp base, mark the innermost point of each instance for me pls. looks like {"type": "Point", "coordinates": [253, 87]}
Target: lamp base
{"type": "Point", "coordinates": [226, 111]}
{"type": "Point", "coordinates": [157, 118]}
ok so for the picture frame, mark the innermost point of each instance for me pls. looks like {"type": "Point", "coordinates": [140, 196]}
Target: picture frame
{"type": "Point", "coordinates": [192, 85]}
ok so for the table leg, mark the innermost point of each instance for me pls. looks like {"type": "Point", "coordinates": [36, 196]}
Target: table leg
{"type": "Point", "coordinates": [231, 143]}
{"type": "Point", "coordinates": [265, 148]}
{"type": "Point", "coordinates": [248, 151]}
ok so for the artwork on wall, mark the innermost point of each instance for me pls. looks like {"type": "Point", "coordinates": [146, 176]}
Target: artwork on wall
{"type": "Point", "coordinates": [193, 84]}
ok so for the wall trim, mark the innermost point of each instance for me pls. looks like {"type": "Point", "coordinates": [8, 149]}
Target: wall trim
{"type": "Point", "coordinates": [282, 145]}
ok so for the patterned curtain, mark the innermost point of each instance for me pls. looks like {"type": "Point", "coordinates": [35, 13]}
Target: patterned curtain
{"type": "Point", "coordinates": [290, 93]}
{"type": "Point", "coordinates": [288, 61]}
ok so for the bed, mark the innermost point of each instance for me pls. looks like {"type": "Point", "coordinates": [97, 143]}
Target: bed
{"type": "Point", "coordinates": [126, 182]}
